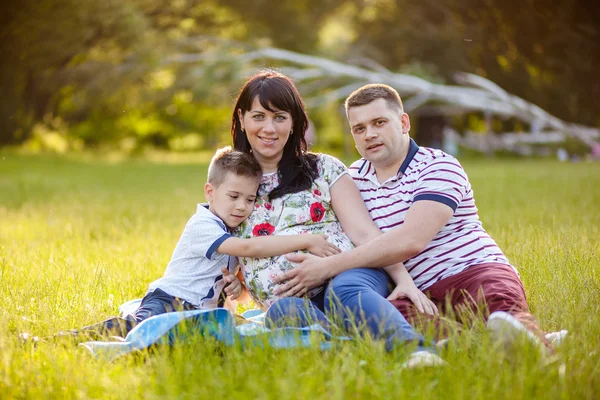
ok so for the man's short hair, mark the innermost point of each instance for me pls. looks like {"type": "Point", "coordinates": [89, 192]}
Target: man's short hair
{"type": "Point", "coordinates": [369, 93]}
{"type": "Point", "coordinates": [228, 160]}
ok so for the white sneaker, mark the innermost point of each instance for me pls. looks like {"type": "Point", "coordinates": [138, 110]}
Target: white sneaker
{"type": "Point", "coordinates": [442, 344]}
{"type": "Point", "coordinates": [507, 329]}
{"type": "Point", "coordinates": [556, 338]}
{"type": "Point", "coordinates": [423, 359]}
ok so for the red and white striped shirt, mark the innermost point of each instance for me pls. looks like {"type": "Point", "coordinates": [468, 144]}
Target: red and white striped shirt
{"type": "Point", "coordinates": [430, 174]}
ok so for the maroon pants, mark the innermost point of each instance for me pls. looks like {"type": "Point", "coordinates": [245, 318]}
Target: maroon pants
{"type": "Point", "coordinates": [472, 294]}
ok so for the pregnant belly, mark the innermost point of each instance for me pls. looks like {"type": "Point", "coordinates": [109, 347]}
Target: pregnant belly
{"type": "Point", "coordinates": [260, 272]}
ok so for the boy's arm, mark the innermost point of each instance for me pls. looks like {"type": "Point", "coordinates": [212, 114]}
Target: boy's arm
{"type": "Point", "coordinates": [270, 246]}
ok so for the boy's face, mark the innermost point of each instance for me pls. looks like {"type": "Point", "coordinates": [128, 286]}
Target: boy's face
{"type": "Point", "coordinates": [232, 200]}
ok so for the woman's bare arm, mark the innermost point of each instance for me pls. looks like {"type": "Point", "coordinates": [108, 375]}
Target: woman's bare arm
{"type": "Point", "coordinates": [351, 211]}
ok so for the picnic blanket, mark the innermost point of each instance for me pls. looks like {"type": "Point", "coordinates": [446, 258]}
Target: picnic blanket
{"type": "Point", "coordinates": [219, 323]}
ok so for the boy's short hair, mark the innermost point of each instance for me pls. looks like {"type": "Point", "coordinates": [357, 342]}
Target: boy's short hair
{"type": "Point", "coordinates": [228, 160]}
{"type": "Point", "coordinates": [369, 93]}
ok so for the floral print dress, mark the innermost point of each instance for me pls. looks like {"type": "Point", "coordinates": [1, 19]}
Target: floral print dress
{"type": "Point", "coordinates": [306, 212]}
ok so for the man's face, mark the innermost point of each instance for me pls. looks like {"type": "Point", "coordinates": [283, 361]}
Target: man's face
{"type": "Point", "coordinates": [380, 132]}
{"type": "Point", "coordinates": [232, 200]}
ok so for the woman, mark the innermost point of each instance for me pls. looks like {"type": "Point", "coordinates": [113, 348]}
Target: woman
{"type": "Point", "coordinates": [303, 192]}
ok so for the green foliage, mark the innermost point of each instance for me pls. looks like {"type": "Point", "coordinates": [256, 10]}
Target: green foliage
{"type": "Point", "coordinates": [79, 236]}
{"type": "Point", "coordinates": [331, 130]}
{"type": "Point", "coordinates": [38, 50]}
{"type": "Point", "coordinates": [103, 68]}
{"type": "Point", "coordinates": [290, 24]}
{"type": "Point", "coordinates": [573, 147]}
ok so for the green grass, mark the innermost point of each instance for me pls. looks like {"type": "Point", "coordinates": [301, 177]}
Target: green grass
{"type": "Point", "coordinates": [80, 236]}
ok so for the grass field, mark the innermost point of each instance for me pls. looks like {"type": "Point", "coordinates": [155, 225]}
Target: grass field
{"type": "Point", "coordinates": [80, 236]}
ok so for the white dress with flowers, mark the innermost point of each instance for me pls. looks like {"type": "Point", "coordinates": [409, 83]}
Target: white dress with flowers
{"type": "Point", "coordinates": [304, 212]}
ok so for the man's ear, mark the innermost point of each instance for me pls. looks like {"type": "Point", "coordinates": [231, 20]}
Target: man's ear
{"type": "Point", "coordinates": [405, 123]}
{"type": "Point", "coordinates": [240, 118]}
{"type": "Point", "coordinates": [208, 191]}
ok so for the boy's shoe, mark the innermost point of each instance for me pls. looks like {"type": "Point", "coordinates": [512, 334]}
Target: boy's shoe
{"type": "Point", "coordinates": [423, 359]}
{"type": "Point", "coordinates": [508, 330]}
{"type": "Point", "coordinates": [28, 339]}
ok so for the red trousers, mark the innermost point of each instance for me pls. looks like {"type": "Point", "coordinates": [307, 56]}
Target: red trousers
{"type": "Point", "coordinates": [472, 294]}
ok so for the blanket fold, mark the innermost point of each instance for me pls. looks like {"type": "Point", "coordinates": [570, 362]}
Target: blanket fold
{"type": "Point", "coordinates": [181, 327]}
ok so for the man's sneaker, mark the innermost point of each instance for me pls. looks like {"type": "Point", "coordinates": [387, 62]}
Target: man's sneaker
{"type": "Point", "coordinates": [423, 359]}
{"type": "Point", "coordinates": [442, 344]}
{"type": "Point", "coordinates": [556, 338]}
{"type": "Point", "coordinates": [508, 330]}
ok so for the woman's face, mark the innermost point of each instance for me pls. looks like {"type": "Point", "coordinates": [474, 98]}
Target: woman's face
{"type": "Point", "coordinates": [267, 132]}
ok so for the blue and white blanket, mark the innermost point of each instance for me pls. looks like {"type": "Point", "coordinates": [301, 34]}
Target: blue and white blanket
{"type": "Point", "coordinates": [219, 323]}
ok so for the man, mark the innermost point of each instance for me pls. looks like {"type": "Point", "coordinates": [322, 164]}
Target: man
{"type": "Point", "coordinates": [422, 200]}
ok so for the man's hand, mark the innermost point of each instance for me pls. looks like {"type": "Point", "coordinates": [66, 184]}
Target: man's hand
{"type": "Point", "coordinates": [233, 286]}
{"type": "Point", "coordinates": [311, 272]}
{"type": "Point", "coordinates": [410, 291]}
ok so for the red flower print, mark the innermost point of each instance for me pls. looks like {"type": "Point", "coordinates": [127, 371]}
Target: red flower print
{"type": "Point", "coordinates": [264, 229]}
{"type": "Point", "coordinates": [317, 192]}
{"type": "Point", "coordinates": [257, 205]}
{"type": "Point", "coordinates": [316, 212]}
{"type": "Point", "coordinates": [268, 206]}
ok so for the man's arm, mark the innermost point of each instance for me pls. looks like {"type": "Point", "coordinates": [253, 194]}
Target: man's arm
{"type": "Point", "coordinates": [271, 246]}
{"type": "Point", "coordinates": [423, 221]}
{"type": "Point", "coordinates": [357, 223]}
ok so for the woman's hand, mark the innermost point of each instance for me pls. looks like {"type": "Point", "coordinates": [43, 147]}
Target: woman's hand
{"type": "Point", "coordinates": [320, 247]}
{"type": "Point", "coordinates": [408, 290]}
{"type": "Point", "coordinates": [233, 286]}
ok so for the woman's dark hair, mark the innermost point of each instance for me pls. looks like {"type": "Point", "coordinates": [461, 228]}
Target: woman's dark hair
{"type": "Point", "coordinates": [297, 169]}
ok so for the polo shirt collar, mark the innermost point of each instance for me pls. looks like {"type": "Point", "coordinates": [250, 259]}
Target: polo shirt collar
{"type": "Point", "coordinates": [202, 209]}
{"type": "Point", "coordinates": [413, 148]}
{"type": "Point", "coordinates": [362, 170]}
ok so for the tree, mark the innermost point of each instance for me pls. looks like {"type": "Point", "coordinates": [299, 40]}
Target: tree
{"type": "Point", "coordinates": [42, 39]}
{"type": "Point", "coordinates": [543, 53]}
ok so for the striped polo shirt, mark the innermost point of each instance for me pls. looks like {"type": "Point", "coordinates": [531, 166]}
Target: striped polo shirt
{"type": "Point", "coordinates": [430, 174]}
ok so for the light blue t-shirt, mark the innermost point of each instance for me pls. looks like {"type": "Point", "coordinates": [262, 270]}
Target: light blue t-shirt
{"type": "Point", "coordinates": [194, 272]}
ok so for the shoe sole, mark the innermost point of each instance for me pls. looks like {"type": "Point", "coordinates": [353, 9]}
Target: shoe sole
{"type": "Point", "coordinates": [508, 330]}
{"type": "Point", "coordinates": [423, 360]}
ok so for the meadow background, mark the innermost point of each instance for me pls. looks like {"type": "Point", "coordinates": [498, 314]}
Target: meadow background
{"type": "Point", "coordinates": [79, 235]}
{"type": "Point", "coordinates": [110, 111]}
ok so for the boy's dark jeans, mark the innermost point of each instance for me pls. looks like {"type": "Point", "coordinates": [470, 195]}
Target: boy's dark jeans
{"type": "Point", "coordinates": [154, 303]}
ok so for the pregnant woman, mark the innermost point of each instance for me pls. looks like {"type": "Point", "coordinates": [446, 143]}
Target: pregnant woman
{"type": "Point", "coordinates": [302, 192]}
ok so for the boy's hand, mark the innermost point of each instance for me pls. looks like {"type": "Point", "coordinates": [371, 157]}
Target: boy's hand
{"type": "Point", "coordinates": [320, 247]}
{"type": "Point", "coordinates": [233, 286]}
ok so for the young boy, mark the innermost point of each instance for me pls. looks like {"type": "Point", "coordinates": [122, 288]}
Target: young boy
{"type": "Point", "coordinates": [205, 256]}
